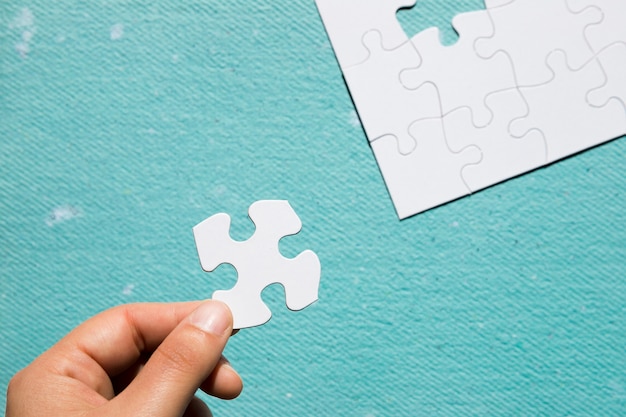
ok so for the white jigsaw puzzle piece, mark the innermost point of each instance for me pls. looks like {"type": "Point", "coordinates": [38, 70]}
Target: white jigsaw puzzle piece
{"type": "Point", "coordinates": [560, 110]}
{"type": "Point", "coordinates": [613, 61]}
{"type": "Point", "coordinates": [415, 180]}
{"type": "Point", "coordinates": [384, 105]}
{"type": "Point", "coordinates": [258, 261]}
{"type": "Point", "coordinates": [462, 77]}
{"type": "Point", "coordinates": [611, 29]}
{"type": "Point", "coordinates": [345, 35]}
{"type": "Point", "coordinates": [503, 156]}
{"type": "Point", "coordinates": [529, 30]}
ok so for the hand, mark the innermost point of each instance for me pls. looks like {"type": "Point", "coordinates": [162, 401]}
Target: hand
{"type": "Point", "coordinates": [133, 360]}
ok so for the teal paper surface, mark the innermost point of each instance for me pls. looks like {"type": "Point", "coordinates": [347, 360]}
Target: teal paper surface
{"type": "Point", "coordinates": [125, 123]}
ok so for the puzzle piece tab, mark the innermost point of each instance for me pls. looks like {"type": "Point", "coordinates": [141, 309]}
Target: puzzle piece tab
{"type": "Point", "coordinates": [374, 15]}
{"type": "Point", "coordinates": [611, 29]}
{"type": "Point", "coordinates": [462, 77]}
{"type": "Point", "coordinates": [384, 105]}
{"type": "Point", "coordinates": [613, 61]}
{"type": "Point", "coordinates": [529, 30]}
{"type": "Point", "coordinates": [559, 109]}
{"type": "Point", "coordinates": [503, 156]}
{"type": "Point", "coordinates": [414, 180]}
{"type": "Point", "coordinates": [258, 261]}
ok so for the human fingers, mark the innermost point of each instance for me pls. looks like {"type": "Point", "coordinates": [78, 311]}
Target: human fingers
{"type": "Point", "coordinates": [116, 338]}
{"type": "Point", "coordinates": [76, 372]}
{"type": "Point", "coordinates": [197, 408]}
{"type": "Point", "coordinates": [109, 343]}
{"type": "Point", "coordinates": [184, 360]}
{"type": "Point", "coordinates": [224, 382]}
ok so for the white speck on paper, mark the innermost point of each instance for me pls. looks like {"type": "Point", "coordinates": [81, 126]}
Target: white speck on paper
{"type": "Point", "coordinates": [128, 289]}
{"type": "Point", "coordinates": [61, 214]}
{"type": "Point", "coordinates": [117, 31]}
{"type": "Point", "coordinates": [24, 23]}
{"type": "Point", "coordinates": [289, 395]}
{"type": "Point", "coordinates": [175, 58]}
{"type": "Point", "coordinates": [354, 119]}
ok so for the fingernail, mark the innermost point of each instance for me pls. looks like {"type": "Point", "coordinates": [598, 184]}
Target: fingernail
{"type": "Point", "coordinates": [228, 366]}
{"type": "Point", "coordinates": [211, 317]}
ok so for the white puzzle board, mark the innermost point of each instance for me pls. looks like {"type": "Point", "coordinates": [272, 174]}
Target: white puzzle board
{"type": "Point", "coordinates": [529, 82]}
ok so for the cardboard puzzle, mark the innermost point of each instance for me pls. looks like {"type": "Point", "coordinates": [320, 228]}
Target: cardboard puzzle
{"type": "Point", "coordinates": [258, 261]}
{"type": "Point", "coordinates": [528, 82]}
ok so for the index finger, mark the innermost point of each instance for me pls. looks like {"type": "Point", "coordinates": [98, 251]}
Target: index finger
{"type": "Point", "coordinates": [116, 338]}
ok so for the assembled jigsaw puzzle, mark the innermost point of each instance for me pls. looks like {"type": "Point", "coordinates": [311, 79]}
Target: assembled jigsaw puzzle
{"type": "Point", "coordinates": [258, 261]}
{"type": "Point", "coordinates": [529, 82]}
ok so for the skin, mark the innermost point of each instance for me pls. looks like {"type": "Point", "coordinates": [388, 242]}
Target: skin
{"type": "Point", "coordinates": [132, 360]}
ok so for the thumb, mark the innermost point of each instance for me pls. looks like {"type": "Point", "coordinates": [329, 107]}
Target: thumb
{"type": "Point", "coordinates": [186, 358]}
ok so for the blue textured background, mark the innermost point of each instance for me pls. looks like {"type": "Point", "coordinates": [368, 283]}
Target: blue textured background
{"type": "Point", "coordinates": [125, 123]}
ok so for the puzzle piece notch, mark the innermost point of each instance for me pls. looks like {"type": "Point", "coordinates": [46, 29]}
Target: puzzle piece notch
{"type": "Point", "coordinates": [258, 261]}
{"type": "Point", "coordinates": [462, 77]}
{"type": "Point", "coordinates": [373, 15]}
{"type": "Point", "coordinates": [524, 29]}
{"type": "Point", "coordinates": [414, 180]}
{"type": "Point", "coordinates": [613, 61]}
{"type": "Point", "coordinates": [385, 106]}
{"type": "Point", "coordinates": [503, 156]}
{"type": "Point", "coordinates": [612, 27]}
{"type": "Point", "coordinates": [560, 111]}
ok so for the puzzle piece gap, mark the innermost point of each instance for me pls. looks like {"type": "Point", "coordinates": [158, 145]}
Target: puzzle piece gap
{"type": "Point", "coordinates": [429, 13]}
